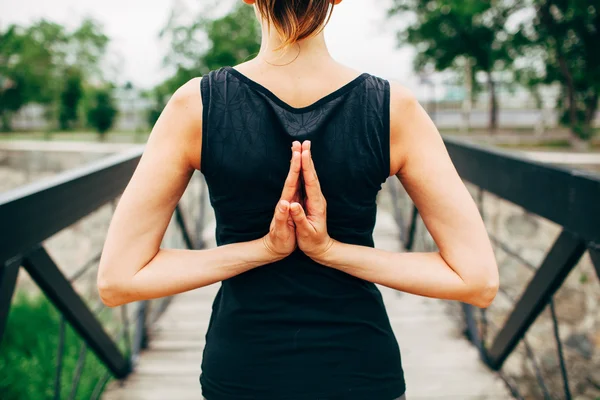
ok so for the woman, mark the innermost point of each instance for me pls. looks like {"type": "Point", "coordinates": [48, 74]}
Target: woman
{"type": "Point", "coordinates": [298, 315]}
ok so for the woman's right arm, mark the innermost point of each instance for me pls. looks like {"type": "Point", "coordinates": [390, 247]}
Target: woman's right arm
{"type": "Point", "coordinates": [133, 267]}
{"type": "Point", "coordinates": [463, 269]}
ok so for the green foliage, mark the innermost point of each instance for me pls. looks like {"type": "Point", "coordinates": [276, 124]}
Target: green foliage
{"type": "Point", "coordinates": [233, 38]}
{"type": "Point", "coordinates": [28, 354]}
{"type": "Point", "coordinates": [69, 98]}
{"type": "Point", "coordinates": [101, 111]}
{"type": "Point", "coordinates": [542, 41]}
{"type": "Point", "coordinates": [204, 45]}
{"type": "Point", "coordinates": [25, 67]}
{"type": "Point", "coordinates": [37, 64]}
{"type": "Point", "coordinates": [561, 43]}
{"type": "Point", "coordinates": [445, 30]}
{"type": "Point", "coordinates": [448, 33]}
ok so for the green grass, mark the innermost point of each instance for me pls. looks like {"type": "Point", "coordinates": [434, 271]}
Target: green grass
{"type": "Point", "coordinates": [551, 144]}
{"type": "Point", "coordinates": [78, 136]}
{"type": "Point", "coordinates": [28, 354]}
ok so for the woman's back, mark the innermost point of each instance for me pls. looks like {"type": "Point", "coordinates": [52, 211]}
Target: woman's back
{"type": "Point", "coordinates": [295, 326]}
{"type": "Point", "coordinates": [298, 316]}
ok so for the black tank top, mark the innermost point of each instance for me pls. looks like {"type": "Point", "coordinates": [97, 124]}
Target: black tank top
{"type": "Point", "coordinates": [295, 329]}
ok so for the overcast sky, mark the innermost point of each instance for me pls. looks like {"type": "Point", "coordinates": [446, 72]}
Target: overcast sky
{"type": "Point", "coordinates": [358, 34]}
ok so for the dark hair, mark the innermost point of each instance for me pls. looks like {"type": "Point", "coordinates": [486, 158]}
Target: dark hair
{"type": "Point", "coordinates": [295, 19]}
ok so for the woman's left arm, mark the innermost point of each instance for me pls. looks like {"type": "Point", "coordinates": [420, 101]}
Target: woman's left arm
{"type": "Point", "coordinates": [133, 266]}
{"type": "Point", "coordinates": [463, 269]}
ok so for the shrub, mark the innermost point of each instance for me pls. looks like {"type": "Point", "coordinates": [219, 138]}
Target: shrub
{"type": "Point", "coordinates": [28, 354]}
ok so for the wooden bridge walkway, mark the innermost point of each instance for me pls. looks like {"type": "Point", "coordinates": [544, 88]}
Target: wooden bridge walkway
{"type": "Point", "coordinates": [439, 362]}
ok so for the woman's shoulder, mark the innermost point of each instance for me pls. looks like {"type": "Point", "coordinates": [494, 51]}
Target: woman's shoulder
{"type": "Point", "coordinates": [402, 99]}
{"type": "Point", "coordinates": [187, 93]}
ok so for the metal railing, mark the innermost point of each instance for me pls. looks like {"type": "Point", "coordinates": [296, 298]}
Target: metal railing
{"type": "Point", "coordinates": [568, 198]}
{"type": "Point", "coordinates": [36, 212]}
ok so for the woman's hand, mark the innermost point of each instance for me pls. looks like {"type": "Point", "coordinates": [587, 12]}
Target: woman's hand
{"type": "Point", "coordinates": [281, 239]}
{"type": "Point", "coordinates": [311, 220]}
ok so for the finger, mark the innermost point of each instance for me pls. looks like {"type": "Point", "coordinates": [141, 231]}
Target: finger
{"type": "Point", "coordinates": [290, 186]}
{"type": "Point", "coordinates": [282, 213]}
{"type": "Point", "coordinates": [306, 145]}
{"type": "Point", "coordinates": [296, 146]}
{"type": "Point", "coordinates": [303, 226]}
{"type": "Point", "coordinates": [309, 174]}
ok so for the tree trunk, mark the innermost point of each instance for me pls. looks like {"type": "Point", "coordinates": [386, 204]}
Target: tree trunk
{"type": "Point", "coordinates": [548, 20]}
{"type": "Point", "coordinates": [5, 120]}
{"type": "Point", "coordinates": [591, 107]}
{"type": "Point", "coordinates": [570, 85]}
{"type": "Point", "coordinates": [493, 126]}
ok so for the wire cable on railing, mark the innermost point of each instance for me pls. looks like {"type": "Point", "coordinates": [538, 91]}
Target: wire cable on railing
{"type": "Point", "coordinates": [125, 321]}
{"type": "Point", "coordinates": [511, 252]}
{"type": "Point", "coordinates": [514, 390]}
{"type": "Point", "coordinates": [559, 349]}
{"type": "Point", "coordinates": [484, 328]}
{"type": "Point", "coordinates": [94, 260]}
{"type": "Point", "coordinates": [536, 369]}
{"type": "Point", "coordinates": [100, 386]}
{"type": "Point", "coordinates": [78, 371]}
{"type": "Point", "coordinates": [481, 332]}
{"type": "Point", "coordinates": [85, 268]}
{"type": "Point", "coordinates": [59, 359]}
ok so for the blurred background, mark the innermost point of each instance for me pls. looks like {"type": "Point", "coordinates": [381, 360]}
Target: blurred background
{"type": "Point", "coordinates": [513, 85]}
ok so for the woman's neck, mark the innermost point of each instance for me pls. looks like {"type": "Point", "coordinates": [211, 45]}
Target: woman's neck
{"type": "Point", "coordinates": [307, 52]}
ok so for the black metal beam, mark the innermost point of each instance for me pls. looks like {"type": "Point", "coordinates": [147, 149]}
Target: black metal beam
{"type": "Point", "coordinates": [8, 279]}
{"type": "Point", "coordinates": [568, 197]}
{"type": "Point", "coordinates": [57, 288]}
{"type": "Point", "coordinates": [35, 212]}
{"type": "Point", "coordinates": [595, 256]}
{"type": "Point", "coordinates": [412, 229]}
{"type": "Point", "coordinates": [182, 225]}
{"type": "Point", "coordinates": [472, 331]}
{"type": "Point", "coordinates": [560, 260]}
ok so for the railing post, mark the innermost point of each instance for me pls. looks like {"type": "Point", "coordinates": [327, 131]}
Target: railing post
{"type": "Point", "coordinates": [594, 250]}
{"type": "Point", "coordinates": [410, 240]}
{"type": "Point", "coordinates": [396, 208]}
{"type": "Point", "coordinates": [202, 216]}
{"type": "Point", "coordinates": [560, 260]}
{"type": "Point", "coordinates": [59, 291]}
{"type": "Point", "coordinates": [8, 280]}
{"type": "Point", "coordinates": [472, 331]}
{"type": "Point", "coordinates": [140, 340]}
{"type": "Point", "coordinates": [182, 225]}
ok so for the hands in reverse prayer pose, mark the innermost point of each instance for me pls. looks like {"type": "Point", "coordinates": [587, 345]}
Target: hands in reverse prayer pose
{"type": "Point", "coordinates": [300, 221]}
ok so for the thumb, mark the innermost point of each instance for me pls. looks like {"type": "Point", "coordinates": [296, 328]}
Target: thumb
{"type": "Point", "coordinates": [282, 212]}
{"type": "Point", "coordinates": [299, 217]}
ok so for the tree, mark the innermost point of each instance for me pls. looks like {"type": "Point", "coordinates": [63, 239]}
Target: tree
{"type": "Point", "coordinates": [86, 49]}
{"type": "Point", "coordinates": [564, 36]}
{"type": "Point", "coordinates": [43, 63]}
{"type": "Point", "coordinates": [203, 45]}
{"type": "Point", "coordinates": [69, 98]}
{"type": "Point", "coordinates": [25, 71]}
{"type": "Point", "coordinates": [446, 32]}
{"type": "Point", "coordinates": [102, 112]}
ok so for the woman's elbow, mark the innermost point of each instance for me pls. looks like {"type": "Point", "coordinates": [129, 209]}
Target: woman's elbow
{"type": "Point", "coordinates": [111, 290]}
{"type": "Point", "coordinates": [482, 291]}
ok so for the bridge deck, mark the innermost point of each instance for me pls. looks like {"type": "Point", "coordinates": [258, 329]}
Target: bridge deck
{"type": "Point", "coordinates": [439, 363]}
